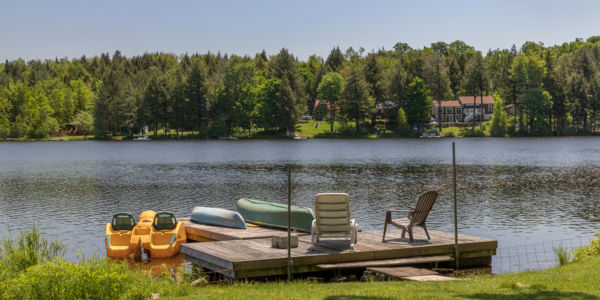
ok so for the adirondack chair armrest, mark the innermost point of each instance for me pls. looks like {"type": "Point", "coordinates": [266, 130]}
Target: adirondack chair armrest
{"type": "Point", "coordinates": [399, 210]}
{"type": "Point", "coordinates": [388, 213]}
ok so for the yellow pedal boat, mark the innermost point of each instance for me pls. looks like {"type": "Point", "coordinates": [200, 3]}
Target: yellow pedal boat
{"type": "Point", "coordinates": [119, 232]}
{"type": "Point", "coordinates": [166, 235]}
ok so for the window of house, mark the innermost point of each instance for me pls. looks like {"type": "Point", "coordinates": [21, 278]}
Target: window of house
{"type": "Point", "coordinates": [490, 107]}
{"type": "Point", "coordinates": [449, 118]}
{"type": "Point", "coordinates": [458, 118]}
{"type": "Point", "coordinates": [448, 110]}
{"type": "Point", "coordinates": [439, 110]}
{"type": "Point", "coordinates": [458, 109]}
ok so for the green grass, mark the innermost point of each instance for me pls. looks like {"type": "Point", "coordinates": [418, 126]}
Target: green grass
{"type": "Point", "coordinates": [31, 269]}
{"type": "Point", "coordinates": [308, 129]}
{"type": "Point", "coordinates": [52, 138]}
{"type": "Point", "coordinates": [452, 132]}
{"type": "Point", "coordinates": [342, 130]}
{"type": "Point", "coordinates": [572, 281]}
{"type": "Point", "coordinates": [482, 130]}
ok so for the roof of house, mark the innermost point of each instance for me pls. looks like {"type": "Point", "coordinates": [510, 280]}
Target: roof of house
{"type": "Point", "coordinates": [446, 103]}
{"type": "Point", "coordinates": [319, 101]}
{"type": "Point", "coordinates": [469, 99]}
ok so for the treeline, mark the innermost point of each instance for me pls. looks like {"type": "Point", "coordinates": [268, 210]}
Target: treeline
{"type": "Point", "coordinates": [553, 90]}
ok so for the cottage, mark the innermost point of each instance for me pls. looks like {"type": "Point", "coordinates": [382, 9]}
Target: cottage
{"type": "Point", "coordinates": [450, 111]}
{"type": "Point", "coordinates": [467, 103]}
{"type": "Point", "coordinates": [462, 110]}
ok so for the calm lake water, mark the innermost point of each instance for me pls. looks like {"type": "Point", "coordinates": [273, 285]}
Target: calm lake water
{"type": "Point", "coordinates": [519, 191]}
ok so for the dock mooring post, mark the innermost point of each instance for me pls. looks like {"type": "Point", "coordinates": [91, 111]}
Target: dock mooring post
{"type": "Point", "coordinates": [289, 224]}
{"type": "Point", "coordinates": [455, 208]}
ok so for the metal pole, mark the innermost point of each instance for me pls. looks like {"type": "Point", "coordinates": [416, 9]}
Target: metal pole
{"type": "Point", "coordinates": [289, 232]}
{"type": "Point", "coordinates": [455, 209]}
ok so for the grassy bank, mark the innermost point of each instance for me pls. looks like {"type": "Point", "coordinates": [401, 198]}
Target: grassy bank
{"type": "Point", "coordinates": [30, 269]}
{"type": "Point", "coordinates": [52, 138]}
{"type": "Point", "coordinates": [572, 281]}
{"type": "Point", "coordinates": [309, 129]}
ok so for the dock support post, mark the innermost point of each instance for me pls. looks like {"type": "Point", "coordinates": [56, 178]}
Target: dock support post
{"type": "Point", "coordinates": [455, 208]}
{"type": "Point", "coordinates": [289, 232]}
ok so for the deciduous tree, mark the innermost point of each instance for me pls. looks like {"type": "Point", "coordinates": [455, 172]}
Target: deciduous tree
{"type": "Point", "coordinates": [330, 89]}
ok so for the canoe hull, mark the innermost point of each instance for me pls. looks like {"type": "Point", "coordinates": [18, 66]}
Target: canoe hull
{"type": "Point", "coordinates": [275, 214]}
{"type": "Point", "coordinates": [218, 217]}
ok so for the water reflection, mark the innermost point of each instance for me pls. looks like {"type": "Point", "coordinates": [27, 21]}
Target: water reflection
{"type": "Point", "coordinates": [517, 191]}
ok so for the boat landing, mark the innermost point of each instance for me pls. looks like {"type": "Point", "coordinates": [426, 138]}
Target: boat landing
{"type": "Point", "coordinates": [239, 254]}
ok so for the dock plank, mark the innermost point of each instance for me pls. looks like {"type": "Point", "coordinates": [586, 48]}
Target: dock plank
{"type": "Point", "coordinates": [388, 262]}
{"type": "Point", "coordinates": [403, 271]}
{"type": "Point", "coordinates": [410, 274]}
{"type": "Point", "coordinates": [429, 278]}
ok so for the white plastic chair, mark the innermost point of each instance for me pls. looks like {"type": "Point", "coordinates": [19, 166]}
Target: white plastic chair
{"type": "Point", "coordinates": [332, 211]}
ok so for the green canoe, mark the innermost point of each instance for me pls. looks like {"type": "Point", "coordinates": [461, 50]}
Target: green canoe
{"type": "Point", "coordinates": [275, 214]}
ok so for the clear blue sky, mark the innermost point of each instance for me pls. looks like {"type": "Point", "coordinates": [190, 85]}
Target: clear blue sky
{"type": "Point", "coordinates": [48, 29]}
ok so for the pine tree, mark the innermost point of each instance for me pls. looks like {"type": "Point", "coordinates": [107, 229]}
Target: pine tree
{"type": "Point", "coordinates": [335, 60]}
{"type": "Point", "coordinates": [355, 102]}
{"type": "Point", "coordinates": [418, 105]}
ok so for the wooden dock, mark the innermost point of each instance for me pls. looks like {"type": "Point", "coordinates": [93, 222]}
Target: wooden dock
{"type": "Point", "coordinates": [247, 253]}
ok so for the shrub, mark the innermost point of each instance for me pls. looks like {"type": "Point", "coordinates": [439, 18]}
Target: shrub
{"type": "Point", "coordinates": [593, 249]}
{"type": "Point", "coordinates": [476, 133]}
{"type": "Point", "coordinates": [58, 279]}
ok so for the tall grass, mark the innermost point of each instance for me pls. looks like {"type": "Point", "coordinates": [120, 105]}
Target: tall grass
{"type": "Point", "coordinates": [562, 253]}
{"type": "Point", "coordinates": [29, 249]}
{"type": "Point", "coordinates": [31, 268]}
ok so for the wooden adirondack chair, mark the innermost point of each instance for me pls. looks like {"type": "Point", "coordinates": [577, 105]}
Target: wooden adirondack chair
{"type": "Point", "coordinates": [416, 216]}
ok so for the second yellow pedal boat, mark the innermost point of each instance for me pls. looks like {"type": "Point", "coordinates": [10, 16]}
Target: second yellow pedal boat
{"type": "Point", "coordinates": [166, 235]}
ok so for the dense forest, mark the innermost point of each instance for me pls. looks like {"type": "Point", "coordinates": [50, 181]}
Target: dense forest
{"type": "Point", "coordinates": [554, 90]}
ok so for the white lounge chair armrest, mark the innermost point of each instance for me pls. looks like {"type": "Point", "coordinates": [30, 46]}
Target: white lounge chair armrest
{"type": "Point", "coordinates": [353, 233]}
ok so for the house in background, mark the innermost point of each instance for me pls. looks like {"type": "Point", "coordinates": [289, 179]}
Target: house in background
{"type": "Point", "coordinates": [462, 110]}
{"type": "Point", "coordinates": [487, 110]}
{"type": "Point", "coordinates": [450, 111]}
{"type": "Point", "coordinates": [321, 109]}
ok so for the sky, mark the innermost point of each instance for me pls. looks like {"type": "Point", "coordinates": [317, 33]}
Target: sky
{"type": "Point", "coordinates": [51, 29]}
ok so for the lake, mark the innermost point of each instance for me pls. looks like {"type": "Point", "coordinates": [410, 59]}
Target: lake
{"type": "Point", "coordinates": [520, 191]}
